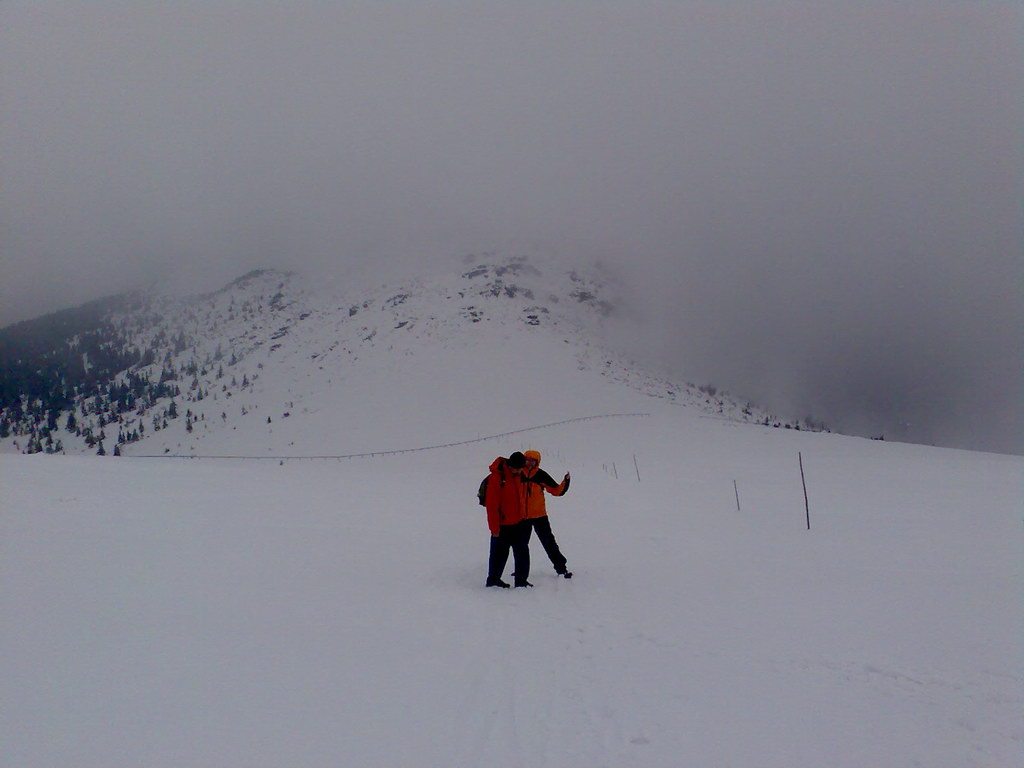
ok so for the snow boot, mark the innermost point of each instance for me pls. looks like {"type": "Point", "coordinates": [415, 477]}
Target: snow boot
{"type": "Point", "coordinates": [523, 584]}
{"type": "Point", "coordinates": [497, 583]}
{"type": "Point", "coordinates": [564, 573]}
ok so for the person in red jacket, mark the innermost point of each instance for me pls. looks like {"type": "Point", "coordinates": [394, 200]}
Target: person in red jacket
{"type": "Point", "coordinates": [506, 519]}
{"type": "Point", "coordinates": [535, 483]}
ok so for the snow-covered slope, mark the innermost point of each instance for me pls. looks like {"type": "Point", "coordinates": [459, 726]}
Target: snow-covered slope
{"type": "Point", "coordinates": [274, 363]}
{"type": "Point", "coordinates": [167, 612]}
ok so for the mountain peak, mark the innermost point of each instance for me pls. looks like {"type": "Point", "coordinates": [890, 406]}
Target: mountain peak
{"type": "Point", "coordinates": [274, 361]}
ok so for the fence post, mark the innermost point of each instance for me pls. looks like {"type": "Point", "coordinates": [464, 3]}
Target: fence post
{"type": "Point", "coordinates": [807, 506]}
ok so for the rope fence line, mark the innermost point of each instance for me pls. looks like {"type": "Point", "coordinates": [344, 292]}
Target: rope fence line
{"type": "Point", "coordinates": [392, 453]}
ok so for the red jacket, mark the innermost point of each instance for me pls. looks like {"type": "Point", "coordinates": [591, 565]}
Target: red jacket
{"type": "Point", "coordinates": [505, 500]}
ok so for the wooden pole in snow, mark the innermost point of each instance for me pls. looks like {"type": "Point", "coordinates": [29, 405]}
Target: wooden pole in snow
{"type": "Point", "coordinates": [807, 506]}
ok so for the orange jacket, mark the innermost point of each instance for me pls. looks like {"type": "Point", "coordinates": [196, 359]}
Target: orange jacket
{"type": "Point", "coordinates": [535, 482]}
{"type": "Point", "coordinates": [505, 499]}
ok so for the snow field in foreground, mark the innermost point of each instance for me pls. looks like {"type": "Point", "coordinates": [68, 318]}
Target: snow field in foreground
{"type": "Point", "coordinates": [242, 613]}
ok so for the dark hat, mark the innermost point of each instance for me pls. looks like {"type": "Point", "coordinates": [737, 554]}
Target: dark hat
{"type": "Point", "coordinates": [517, 460]}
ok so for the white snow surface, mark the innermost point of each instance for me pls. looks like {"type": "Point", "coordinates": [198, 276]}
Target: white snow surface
{"type": "Point", "coordinates": [242, 612]}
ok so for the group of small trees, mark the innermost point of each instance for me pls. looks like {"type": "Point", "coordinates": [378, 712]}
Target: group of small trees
{"type": "Point", "coordinates": [54, 370]}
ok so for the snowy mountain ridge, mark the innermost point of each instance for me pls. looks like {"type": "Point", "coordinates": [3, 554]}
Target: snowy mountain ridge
{"type": "Point", "coordinates": [191, 371]}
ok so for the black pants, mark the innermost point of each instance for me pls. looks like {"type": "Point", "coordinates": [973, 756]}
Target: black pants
{"type": "Point", "coordinates": [517, 538]}
{"type": "Point", "coordinates": [547, 539]}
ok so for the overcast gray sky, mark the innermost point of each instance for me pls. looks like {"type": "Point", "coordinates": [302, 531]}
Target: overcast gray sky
{"type": "Point", "coordinates": [818, 204]}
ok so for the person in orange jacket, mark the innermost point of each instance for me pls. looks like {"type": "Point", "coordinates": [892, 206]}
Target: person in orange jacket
{"type": "Point", "coordinates": [505, 501]}
{"type": "Point", "coordinates": [535, 483]}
